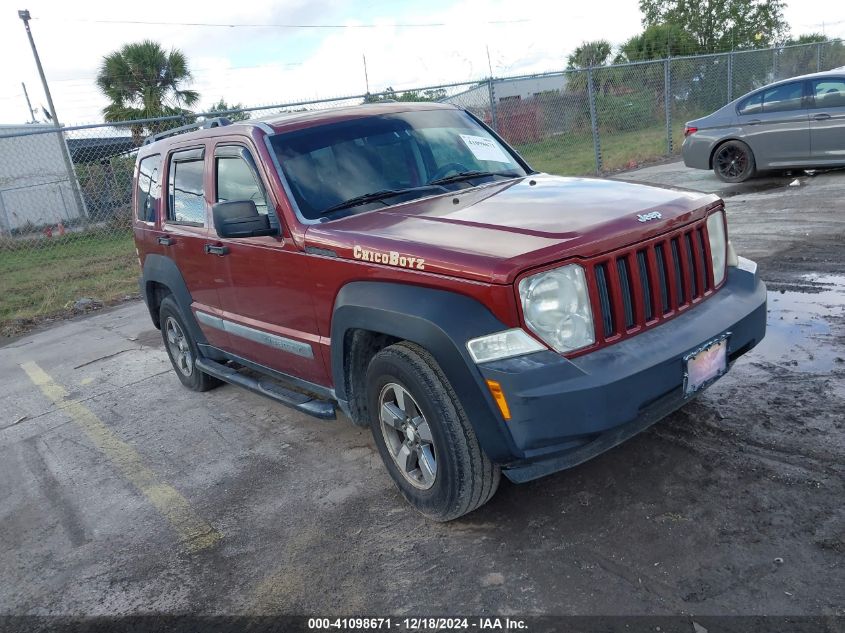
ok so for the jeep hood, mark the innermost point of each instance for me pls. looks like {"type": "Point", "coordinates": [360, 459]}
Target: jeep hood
{"type": "Point", "coordinates": [494, 232]}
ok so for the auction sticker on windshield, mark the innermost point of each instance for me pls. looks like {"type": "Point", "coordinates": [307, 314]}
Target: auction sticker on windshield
{"type": "Point", "coordinates": [485, 148]}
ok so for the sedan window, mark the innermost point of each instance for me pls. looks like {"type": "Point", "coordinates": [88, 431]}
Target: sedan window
{"type": "Point", "coordinates": [784, 97]}
{"type": "Point", "coordinates": [752, 105]}
{"type": "Point", "coordinates": [829, 93]}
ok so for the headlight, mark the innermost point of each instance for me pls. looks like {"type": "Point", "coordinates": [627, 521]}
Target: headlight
{"type": "Point", "coordinates": [556, 307]}
{"type": "Point", "coordinates": [718, 245]}
{"type": "Point", "coordinates": [499, 345]}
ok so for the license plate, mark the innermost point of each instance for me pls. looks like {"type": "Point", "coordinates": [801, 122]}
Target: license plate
{"type": "Point", "coordinates": [705, 365]}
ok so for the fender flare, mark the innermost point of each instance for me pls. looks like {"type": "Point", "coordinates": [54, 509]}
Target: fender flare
{"type": "Point", "coordinates": [163, 270]}
{"type": "Point", "coordinates": [439, 321]}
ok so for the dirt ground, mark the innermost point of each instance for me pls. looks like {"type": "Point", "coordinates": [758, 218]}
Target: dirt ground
{"type": "Point", "coordinates": [124, 493]}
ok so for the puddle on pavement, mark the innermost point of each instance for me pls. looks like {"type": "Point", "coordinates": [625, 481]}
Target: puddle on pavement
{"type": "Point", "coordinates": [799, 326]}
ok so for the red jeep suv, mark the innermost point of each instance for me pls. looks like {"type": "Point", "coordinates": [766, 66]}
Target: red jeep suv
{"type": "Point", "coordinates": [403, 263]}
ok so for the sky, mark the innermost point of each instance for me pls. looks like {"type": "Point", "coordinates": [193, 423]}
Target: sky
{"type": "Point", "coordinates": [321, 55]}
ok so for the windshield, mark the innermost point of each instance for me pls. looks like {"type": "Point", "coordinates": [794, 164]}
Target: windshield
{"type": "Point", "coordinates": [397, 156]}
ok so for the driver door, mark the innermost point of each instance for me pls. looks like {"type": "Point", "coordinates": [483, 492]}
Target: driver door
{"type": "Point", "coordinates": [264, 290]}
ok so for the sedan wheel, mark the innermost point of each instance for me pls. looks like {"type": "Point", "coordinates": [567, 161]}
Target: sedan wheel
{"type": "Point", "coordinates": [734, 162]}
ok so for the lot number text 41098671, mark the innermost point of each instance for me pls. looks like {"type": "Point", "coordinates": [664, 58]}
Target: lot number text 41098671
{"type": "Point", "coordinates": [417, 624]}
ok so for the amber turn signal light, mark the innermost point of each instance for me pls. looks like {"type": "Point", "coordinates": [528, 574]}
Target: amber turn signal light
{"type": "Point", "coordinates": [499, 396]}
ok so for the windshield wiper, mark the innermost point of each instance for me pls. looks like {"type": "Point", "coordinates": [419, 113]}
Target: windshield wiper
{"type": "Point", "coordinates": [377, 196]}
{"type": "Point", "coordinates": [373, 196]}
{"type": "Point", "coordinates": [467, 175]}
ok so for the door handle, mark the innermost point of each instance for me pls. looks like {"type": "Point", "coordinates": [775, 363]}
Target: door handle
{"type": "Point", "coordinates": [754, 122]}
{"type": "Point", "coordinates": [821, 116]}
{"type": "Point", "coordinates": [164, 240]}
{"type": "Point", "coordinates": [213, 249]}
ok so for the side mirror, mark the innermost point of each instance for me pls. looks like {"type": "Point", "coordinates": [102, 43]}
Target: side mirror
{"type": "Point", "coordinates": [240, 219]}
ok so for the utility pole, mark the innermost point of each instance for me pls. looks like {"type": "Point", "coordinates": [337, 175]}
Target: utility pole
{"type": "Point", "coordinates": [71, 174]}
{"type": "Point", "coordinates": [28, 103]}
{"type": "Point", "coordinates": [366, 77]}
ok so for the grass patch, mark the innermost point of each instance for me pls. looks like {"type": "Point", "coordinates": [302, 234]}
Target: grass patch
{"type": "Point", "coordinates": [573, 155]}
{"type": "Point", "coordinates": [45, 277]}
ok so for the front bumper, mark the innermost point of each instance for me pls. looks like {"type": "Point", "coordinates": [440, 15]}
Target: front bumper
{"type": "Point", "coordinates": [564, 412]}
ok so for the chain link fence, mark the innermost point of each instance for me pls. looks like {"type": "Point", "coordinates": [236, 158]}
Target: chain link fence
{"type": "Point", "coordinates": [65, 194]}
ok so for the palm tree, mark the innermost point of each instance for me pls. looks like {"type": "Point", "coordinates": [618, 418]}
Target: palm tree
{"type": "Point", "coordinates": [144, 81]}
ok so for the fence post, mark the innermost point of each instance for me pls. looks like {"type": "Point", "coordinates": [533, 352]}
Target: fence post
{"type": "Point", "coordinates": [5, 215]}
{"type": "Point", "coordinates": [819, 57]}
{"type": "Point", "coordinates": [774, 64]}
{"type": "Point", "coordinates": [730, 76]}
{"type": "Point", "coordinates": [494, 118]}
{"type": "Point", "coordinates": [594, 124]}
{"type": "Point", "coordinates": [667, 97]}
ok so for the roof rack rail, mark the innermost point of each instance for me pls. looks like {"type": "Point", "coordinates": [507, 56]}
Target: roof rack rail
{"type": "Point", "coordinates": [219, 121]}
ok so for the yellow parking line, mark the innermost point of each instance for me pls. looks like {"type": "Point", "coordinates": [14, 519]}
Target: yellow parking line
{"type": "Point", "coordinates": [195, 533]}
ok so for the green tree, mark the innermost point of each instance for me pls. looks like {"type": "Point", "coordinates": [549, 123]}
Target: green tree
{"type": "Point", "coordinates": [222, 106]}
{"type": "Point", "coordinates": [595, 53]}
{"type": "Point", "coordinates": [806, 38]}
{"type": "Point", "coordinates": [389, 94]}
{"type": "Point", "coordinates": [657, 41]}
{"type": "Point", "coordinates": [142, 81]}
{"type": "Point", "coordinates": [808, 53]}
{"type": "Point", "coordinates": [589, 55]}
{"type": "Point", "coordinates": [721, 25]}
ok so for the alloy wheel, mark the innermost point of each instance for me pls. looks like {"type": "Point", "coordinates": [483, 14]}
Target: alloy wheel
{"type": "Point", "coordinates": [179, 347]}
{"type": "Point", "coordinates": [731, 161]}
{"type": "Point", "coordinates": [407, 435]}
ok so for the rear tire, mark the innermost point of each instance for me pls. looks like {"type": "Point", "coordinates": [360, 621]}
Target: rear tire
{"type": "Point", "coordinates": [424, 437]}
{"type": "Point", "coordinates": [733, 161]}
{"type": "Point", "coordinates": [181, 348]}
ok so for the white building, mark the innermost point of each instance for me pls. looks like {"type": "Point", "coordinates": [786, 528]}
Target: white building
{"type": "Point", "coordinates": [508, 90]}
{"type": "Point", "coordinates": [35, 189]}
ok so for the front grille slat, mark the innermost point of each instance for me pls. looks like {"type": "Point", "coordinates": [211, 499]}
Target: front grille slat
{"type": "Point", "coordinates": [625, 291]}
{"type": "Point", "coordinates": [692, 272]}
{"type": "Point", "coordinates": [702, 260]}
{"type": "Point", "coordinates": [643, 285]}
{"type": "Point", "coordinates": [604, 301]}
{"type": "Point", "coordinates": [663, 274]}
{"type": "Point", "coordinates": [680, 296]}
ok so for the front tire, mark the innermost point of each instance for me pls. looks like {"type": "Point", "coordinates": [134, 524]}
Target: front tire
{"type": "Point", "coordinates": [425, 440]}
{"type": "Point", "coordinates": [181, 348]}
{"type": "Point", "coordinates": [733, 162]}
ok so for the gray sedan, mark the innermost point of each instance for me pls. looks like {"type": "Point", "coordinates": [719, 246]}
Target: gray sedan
{"type": "Point", "coordinates": [795, 123]}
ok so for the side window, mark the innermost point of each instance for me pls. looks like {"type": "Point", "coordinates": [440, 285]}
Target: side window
{"type": "Point", "coordinates": [237, 179]}
{"type": "Point", "coordinates": [752, 105]}
{"type": "Point", "coordinates": [829, 93]}
{"type": "Point", "coordinates": [783, 98]}
{"type": "Point", "coordinates": [187, 197]}
{"type": "Point", "coordinates": [149, 189]}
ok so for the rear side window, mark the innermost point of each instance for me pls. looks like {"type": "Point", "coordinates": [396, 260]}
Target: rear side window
{"type": "Point", "coordinates": [752, 105]}
{"type": "Point", "coordinates": [237, 180]}
{"type": "Point", "coordinates": [149, 189]}
{"type": "Point", "coordinates": [187, 196]}
{"type": "Point", "coordinates": [783, 98]}
{"type": "Point", "coordinates": [829, 93]}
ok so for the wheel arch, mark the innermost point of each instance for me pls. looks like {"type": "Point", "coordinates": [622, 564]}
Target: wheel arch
{"type": "Point", "coordinates": [368, 316]}
{"type": "Point", "coordinates": [161, 278]}
{"type": "Point", "coordinates": [721, 142]}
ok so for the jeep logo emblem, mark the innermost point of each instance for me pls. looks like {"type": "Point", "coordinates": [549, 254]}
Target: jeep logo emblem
{"type": "Point", "coordinates": [645, 217]}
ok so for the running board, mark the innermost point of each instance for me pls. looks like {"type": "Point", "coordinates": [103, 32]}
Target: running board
{"type": "Point", "coordinates": [322, 409]}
